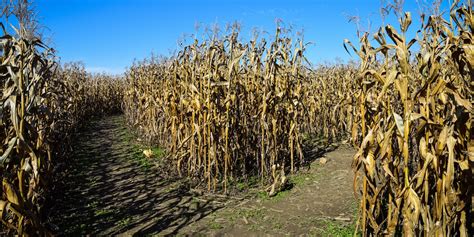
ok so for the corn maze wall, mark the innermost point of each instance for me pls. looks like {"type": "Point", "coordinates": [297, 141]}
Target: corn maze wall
{"type": "Point", "coordinates": [416, 121]}
{"type": "Point", "coordinates": [226, 109]}
{"type": "Point", "coordinates": [42, 106]}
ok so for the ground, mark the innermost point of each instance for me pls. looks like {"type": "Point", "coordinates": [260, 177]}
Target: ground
{"type": "Point", "coordinates": [109, 187]}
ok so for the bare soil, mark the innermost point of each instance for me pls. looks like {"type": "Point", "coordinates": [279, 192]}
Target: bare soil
{"type": "Point", "coordinates": [108, 189]}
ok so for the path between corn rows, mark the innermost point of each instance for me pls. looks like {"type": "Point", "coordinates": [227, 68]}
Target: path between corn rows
{"type": "Point", "coordinates": [108, 192]}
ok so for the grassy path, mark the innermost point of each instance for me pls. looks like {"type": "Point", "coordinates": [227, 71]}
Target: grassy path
{"type": "Point", "coordinates": [111, 189]}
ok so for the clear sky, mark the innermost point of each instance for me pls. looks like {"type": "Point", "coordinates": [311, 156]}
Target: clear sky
{"type": "Point", "coordinates": [107, 35]}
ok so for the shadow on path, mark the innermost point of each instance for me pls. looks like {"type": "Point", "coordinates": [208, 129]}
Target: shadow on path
{"type": "Point", "coordinates": [107, 192]}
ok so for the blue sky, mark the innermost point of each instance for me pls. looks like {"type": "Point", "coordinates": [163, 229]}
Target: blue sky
{"type": "Point", "coordinates": [107, 35]}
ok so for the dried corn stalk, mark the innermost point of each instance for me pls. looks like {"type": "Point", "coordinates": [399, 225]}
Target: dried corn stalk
{"type": "Point", "coordinates": [416, 120]}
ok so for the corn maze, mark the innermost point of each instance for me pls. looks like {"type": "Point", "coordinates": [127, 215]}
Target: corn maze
{"type": "Point", "coordinates": [226, 110]}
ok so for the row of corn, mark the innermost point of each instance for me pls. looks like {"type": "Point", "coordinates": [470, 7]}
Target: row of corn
{"type": "Point", "coordinates": [227, 110]}
{"type": "Point", "coordinates": [41, 107]}
{"type": "Point", "coordinates": [415, 107]}
{"type": "Point", "coordinates": [223, 109]}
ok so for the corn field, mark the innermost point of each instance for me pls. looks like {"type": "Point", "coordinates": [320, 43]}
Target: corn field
{"type": "Point", "coordinates": [228, 110]}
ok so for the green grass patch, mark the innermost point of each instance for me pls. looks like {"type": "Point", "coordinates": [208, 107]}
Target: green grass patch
{"type": "Point", "coordinates": [337, 230]}
{"type": "Point", "coordinates": [280, 195]}
{"type": "Point", "coordinates": [93, 204]}
{"type": "Point", "coordinates": [103, 212]}
{"type": "Point", "coordinates": [158, 152]}
{"type": "Point", "coordinates": [300, 179]}
{"type": "Point", "coordinates": [251, 213]}
{"type": "Point", "coordinates": [215, 225]}
{"type": "Point", "coordinates": [137, 150]}
{"type": "Point", "coordinates": [244, 184]}
{"type": "Point", "coordinates": [125, 222]}
{"type": "Point", "coordinates": [263, 195]}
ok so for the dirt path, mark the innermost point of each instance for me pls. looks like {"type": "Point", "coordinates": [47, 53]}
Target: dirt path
{"type": "Point", "coordinates": [321, 203]}
{"type": "Point", "coordinates": [111, 190]}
